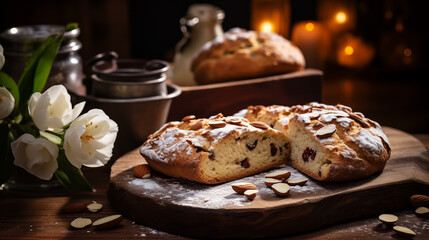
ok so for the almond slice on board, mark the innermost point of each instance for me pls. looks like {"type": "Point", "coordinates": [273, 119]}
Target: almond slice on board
{"type": "Point", "coordinates": [422, 211]}
{"type": "Point", "coordinates": [281, 175]}
{"type": "Point", "coordinates": [388, 218]}
{"type": "Point", "coordinates": [281, 189]}
{"type": "Point", "coordinates": [240, 188]}
{"type": "Point", "coordinates": [251, 194]}
{"type": "Point", "coordinates": [108, 222]}
{"type": "Point", "coordinates": [404, 231]}
{"type": "Point", "coordinates": [297, 181]}
{"type": "Point", "coordinates": [81, 222]}
{"type": "Point", "coordinates": [94, 207]}
{"type": "Point", "coordinates": [270, 181]}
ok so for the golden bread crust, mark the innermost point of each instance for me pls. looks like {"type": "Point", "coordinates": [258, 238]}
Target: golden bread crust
{"type": "Point", "coordinates": [190, 149]}
{"type": "Point", "coordinates": [241, 54]}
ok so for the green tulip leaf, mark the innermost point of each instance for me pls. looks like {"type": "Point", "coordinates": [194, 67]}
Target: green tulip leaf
{"type": "Point", "coordinates": [70, 176]}
{"type": "Point", "coordinates": [37, 71]}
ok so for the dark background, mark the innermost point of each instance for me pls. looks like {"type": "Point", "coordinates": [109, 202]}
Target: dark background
{"type": "Point", "coordinates": [394, 95]}
{"type": "Point", "coordinates": [150, 29]}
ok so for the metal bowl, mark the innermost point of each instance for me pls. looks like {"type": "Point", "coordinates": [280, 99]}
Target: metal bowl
{"type": "Point", "coordinates": [122, 89]}
{"type": "Point", "coordinates": [137, 118]}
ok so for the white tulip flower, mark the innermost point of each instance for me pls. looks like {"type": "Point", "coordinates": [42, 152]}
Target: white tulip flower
{"type": "Point", "coordinates": [89, 140]}
{"type": "Point", "coordinates": [52, 110]}
{"type": "Point", "coordinates": [37, 156]}
{"type": "Point", "coordinates": [7, 103]}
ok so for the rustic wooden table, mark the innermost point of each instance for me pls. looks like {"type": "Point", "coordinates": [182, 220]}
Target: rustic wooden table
{"type": "Point", "coordinates": [29, 215]}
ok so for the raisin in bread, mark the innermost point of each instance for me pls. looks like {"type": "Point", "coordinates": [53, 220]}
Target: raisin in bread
{"type": "Point", "coordinates": [329, 143]}
{"type": "Point", "coordinates": [215, 150]}
{"type": "Point", "coordinates": [241, 54]}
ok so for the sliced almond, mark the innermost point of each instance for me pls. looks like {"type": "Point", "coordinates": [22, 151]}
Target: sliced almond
{"type": "Point", "coordinates": [219, 116]}
{"type": "Point", "coordinates": [260, 125]}
{"type": "Point", "coordinates": [235, 121]}
{"type": "Point", "coordinates": [270, 181]}
{"type": "Point", "coordinates": [196, 126]}
{"type": "Point", "coordinates": [281, 189]}
{"type": "Point", "coordinates": [251, 194]}
{"type": "Point", "coordinates": [313, 115]}
{"type": "Point", "coordinates": [419, 200]}
{"type": "Point", "coordinates": [142, 171]}
{"type": "Point", "coordinates": [358, 117]}
{"type": "Point", "coordinates": [388, 218]}
{"type": "Point", "coordinates": [297, 181]}
{"type": "Point", "coordinates": [108, 222]}
{"type": "Point", "coordinates": [74, 207]}
{"type": "Point", "coordinates": [404, 231]}
{"type": "Point", "coordinates": [81, 222]}
{"type": "Point", "coordinates": [217, 124]}
{"type": "Point", "coordinates": [94, 207]}
{"type": "Point", "coordinates": [281, 175]}
{"type": "Point", "coordinates": [326, 131]}
{"type": "Point", "coordinates": [188, 118]}
{"type": "Point", "coordinates": [240, 188]}
{"type": "Point", "coordinates": [422, 211]}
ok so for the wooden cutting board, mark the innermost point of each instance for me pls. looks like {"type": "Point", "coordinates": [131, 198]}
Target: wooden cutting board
{"type": "Point", "coordinates": [197, 210]}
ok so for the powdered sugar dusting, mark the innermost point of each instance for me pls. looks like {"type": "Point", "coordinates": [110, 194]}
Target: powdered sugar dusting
{"type": "Point", "coordinates": [348, 153]}
{"type": "Point", "coordinates": [303, 118]}
{"type": "Point", "coordinates": [189, 194]}
{"type": "Point", "coordinates": [368, 142]}
{"type": "Point", "coordinates": [379, 132]}
{"type": "Point", "coordinates": [197, 195]}
{"type": "Point", "coordinates": [284, 121]}
{"type": "Point", "coordinates": [327, 118]}
{"type": "Point", "coordinates": [171, 146]}
{"type": "Point", "coordinates": [219, 133]}
{"type": "Point", "coordinates": [344, 122]}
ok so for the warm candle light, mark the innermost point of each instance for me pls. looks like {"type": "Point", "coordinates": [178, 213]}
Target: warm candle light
{"type": "Point", "coordinates": [266, 26]}
{"type": "Point", "coordinates": [354, 52]}
{"type": "Point", "coordinates": [313, 40]}
{"type": "Point", "coordinates": [341, 17]}
{"type": "Point", "coordinates": [348, 50]}
{"type": "Point", "coordinates": [272, 16]}
{"type": "Point", "coordinates": [337, 15]}
{"type": "Point", "coordinates": [309, 26]}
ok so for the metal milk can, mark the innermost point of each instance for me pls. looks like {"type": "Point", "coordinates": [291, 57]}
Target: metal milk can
{"type": "Point", "coordinates": [202, 23]}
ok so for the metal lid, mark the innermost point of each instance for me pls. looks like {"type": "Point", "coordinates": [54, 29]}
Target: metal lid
{"type": "Point", "coordinates": [108, 67]}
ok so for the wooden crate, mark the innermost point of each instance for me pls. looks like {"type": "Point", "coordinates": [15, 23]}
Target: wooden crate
{"type": "Point", "coordinates": [228, 98]}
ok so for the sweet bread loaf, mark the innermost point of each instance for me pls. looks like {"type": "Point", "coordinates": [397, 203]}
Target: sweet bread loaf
{"type": "Point", "coordinates": [329, 143]}
{"type": "Point", "coordinates": [241, 54]}
{"type": "Point", "coordinates": [215, 150]}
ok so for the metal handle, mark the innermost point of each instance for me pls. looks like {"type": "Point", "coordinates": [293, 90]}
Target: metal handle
{"type": "Point", "coordinates": [107, 56]}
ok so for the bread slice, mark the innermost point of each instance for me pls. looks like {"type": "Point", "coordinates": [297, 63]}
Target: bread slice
{"type": "Point", "coordinates": [215, 150]}
{"type": "Point", "coordinates": [328, 143]}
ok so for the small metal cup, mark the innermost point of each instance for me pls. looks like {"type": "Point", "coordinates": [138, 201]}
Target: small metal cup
{"type": "Point", "coordinates": [127, 78]}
